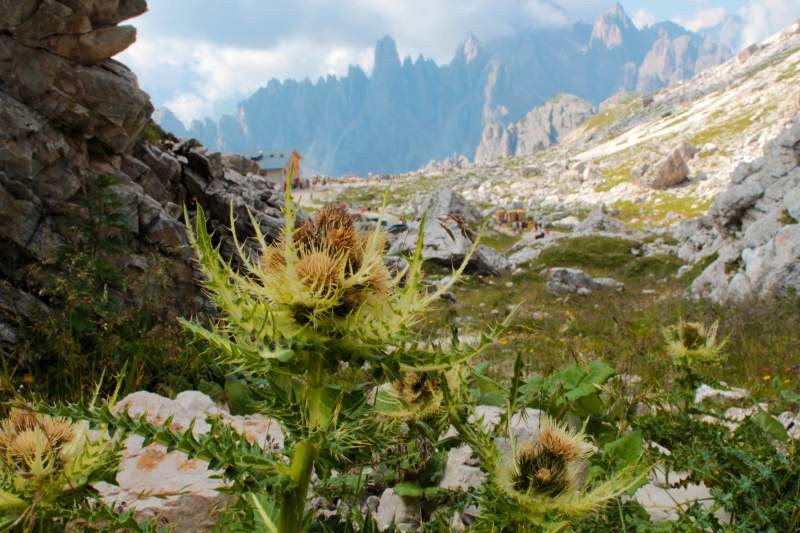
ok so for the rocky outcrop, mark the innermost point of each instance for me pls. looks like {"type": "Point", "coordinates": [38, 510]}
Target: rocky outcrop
{"type": "Point", "coordinates": [444, 202]}
{"type": "Point", "coordinates": [447, 242]}
{"type": "Point", "coordinates": [600, 222]}
{"type": "Point", "coordinates": [449, 235]}
{"type": "Point", "coordinates": [541, 128]}
{"type": "Point", "coordinates": [758, 223]}
{"type": "Point", "coordinates": [670, 171]}
{"type": "Point", "coordinates": [497, 141]}
{"type": "Point", "coordinates": [68, 114]}
{"type": "Point", "coordinates": [677, 56]}
{"type": "Point", "coordinates": [562, 281]}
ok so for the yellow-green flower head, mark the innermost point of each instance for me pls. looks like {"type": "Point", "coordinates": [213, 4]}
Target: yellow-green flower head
{"type": "Point", "coordinates": [692, 343]}
{"type": "Point", "coordinates": [420, 394]}
{"type": "Point", "coordinates": [321, 290]}
{"type": "Point", "coordinates": [28, 441]}
{"type": "Point", "coordinates": [339, 267]}
{"type": "Point", "coordinates": [43, 456]}
{"type": "Point", "coordinates": [551, 463]}
{"type": "Point", "coordinates": [542, 481]}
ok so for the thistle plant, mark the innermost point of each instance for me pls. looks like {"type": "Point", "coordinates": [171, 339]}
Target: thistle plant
{"type": "Point", "coordinates": [692, 346]}
{"type": "Point", "coordinates": [317, 321]}
{"type": "Point", "coordinates": [539, 485]}
{"type": "Point", "coordinates": [43, 460]}
{"type": "Point", "coordinates": [551, 464]}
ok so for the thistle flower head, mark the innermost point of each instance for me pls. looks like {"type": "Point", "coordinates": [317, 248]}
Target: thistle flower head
{"type": "Point", "coordinates": [41, 455]}
{"type": "Point", "coordinates": [21, 419]}
{"type": "Point", "coordinates": [340, 268]}
{"type": "Point", "coordinates": [319, 272]}
{"type": "Point", "coordinates": [58, 430]}
{"type": "Point", "coordinates": [551, 463]}
{"type": "Point", "coordinates": [322, 287]}
{"type": "Point", "coordinates": [28, 439]}
{"type": "Point", "coordinates": [420, 394]}
{"type": "Point", "coordinates": [693, 343]}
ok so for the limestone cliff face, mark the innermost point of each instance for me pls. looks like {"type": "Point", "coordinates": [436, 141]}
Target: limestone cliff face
{"type": "Point", "coordinates": [540, 128]}
{"type": "Point", "coordinates": [69, 113]}
{"type": "Point", "coordinates": [757, 226]}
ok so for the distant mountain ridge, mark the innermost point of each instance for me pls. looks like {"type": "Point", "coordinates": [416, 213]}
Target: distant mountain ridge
{"type": "Point", "coordinates": [409, 112]}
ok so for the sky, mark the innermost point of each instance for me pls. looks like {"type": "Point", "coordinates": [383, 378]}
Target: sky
{"type": "Point", "coordinates": [201, 57]}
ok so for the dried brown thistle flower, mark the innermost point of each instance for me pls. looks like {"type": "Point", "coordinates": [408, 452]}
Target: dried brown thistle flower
{"type": "Point", "coordinates": [320, 272]}
{"type": "Point", "coordinates": [22, 418]}
{"type": "Point", "coordinates": [419, 393]}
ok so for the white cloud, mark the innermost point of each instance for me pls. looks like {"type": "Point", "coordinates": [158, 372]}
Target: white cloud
{"type": "Point", "coordinates": [643, 18]}
{"type": "Point", "coordinates": [207, 75]}
{"type": "Point", "coordinates": [763, 18]}
{"type": "Point", "coordinates": [706, 17]}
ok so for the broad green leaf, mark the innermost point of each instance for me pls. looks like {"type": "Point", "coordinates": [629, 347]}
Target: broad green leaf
{"type": "Point", "coordinates": [580, 391]}
{"type": "Point", "coordinates": [599, 372]}
{"type": "Point", "coordinates": [571, 376]}
{"type": "Point", "coordinates": [770, 426]}
{"type": "Point", "coordinates": [790, 396]}
{"type": "Point", "coordinates": [625, 451]}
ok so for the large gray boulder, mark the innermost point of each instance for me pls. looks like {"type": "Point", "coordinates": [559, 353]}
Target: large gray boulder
{"type": "Point", "coordinates": [561, 281]}
{"type": "Point", "coordinates": [759, 231]}
{"type": "Point", "coordinates": [447, 242]}
{"type": "Point", "coordinates": [449, 234]}
{"type": "Point", "coordinates": [669, 172]}
{"type": "Point", "coordinates": [445, 201]}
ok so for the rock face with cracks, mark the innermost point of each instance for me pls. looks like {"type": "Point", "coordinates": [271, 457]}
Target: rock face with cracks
{"type": "Point", "coordinates": [68, 114]}
{"type": "Point", "coordinates": [758, 225]}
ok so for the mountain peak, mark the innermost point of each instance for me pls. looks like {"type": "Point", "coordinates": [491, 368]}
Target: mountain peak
{"type": "Point", "coordinates": [613, 27]}
{"type": "Point", "coordinates": [386, 56]}
{"type": "Point", "coordinates": [470, 48]}
{"type": "Point", "coordinates": [617, 11]}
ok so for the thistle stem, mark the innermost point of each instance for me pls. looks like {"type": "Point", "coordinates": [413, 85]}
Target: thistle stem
{"type": "Point", "coordinates": [307, 451]}
{"type": "Point", "coordinates": [294, 500]}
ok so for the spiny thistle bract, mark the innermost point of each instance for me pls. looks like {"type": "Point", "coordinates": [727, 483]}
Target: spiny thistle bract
{"type": "Point", "coordinates": [540, 484]}
{"type": "Point", "coordinates": [43, 457]}
{"type": "Point", "coordinates": [692, 343]}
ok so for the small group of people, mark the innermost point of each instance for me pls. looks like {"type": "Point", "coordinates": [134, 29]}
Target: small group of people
{"type": "Point", "coordinates": [299, 184]}
{"type": "Point", "coordinates": [522, 225]}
